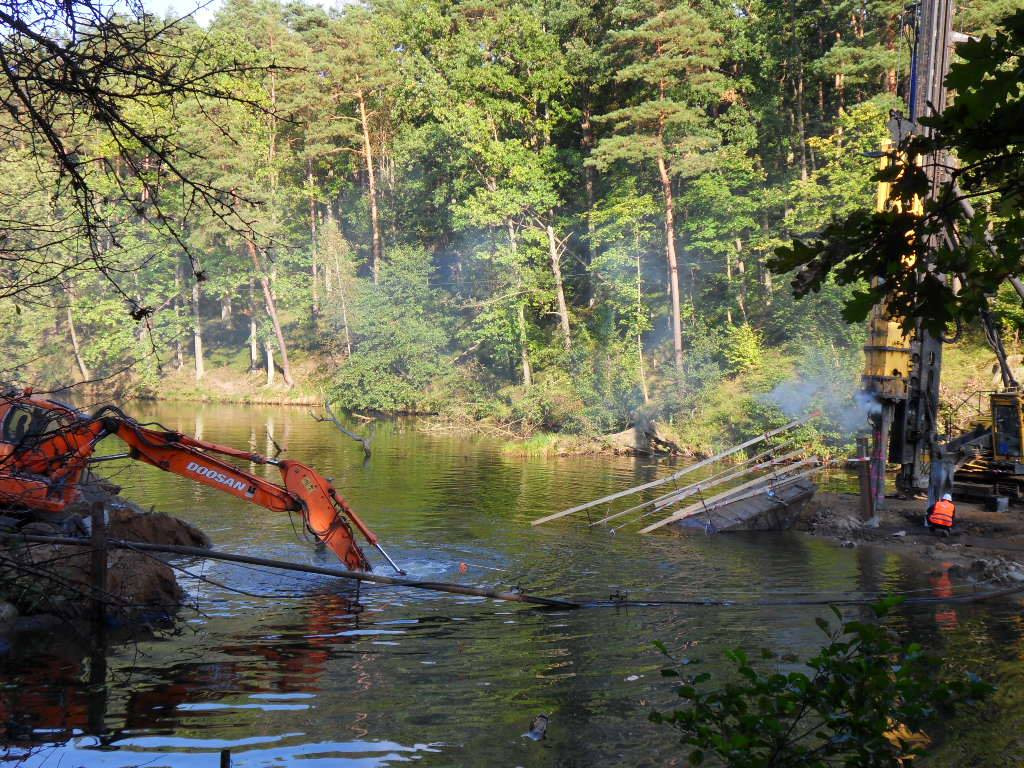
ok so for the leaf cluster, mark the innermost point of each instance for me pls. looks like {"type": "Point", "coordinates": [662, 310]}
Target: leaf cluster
{"type": "Point", "coordinates": [954, 228]}
{"type": "Point", "coordinates": [863, 701]}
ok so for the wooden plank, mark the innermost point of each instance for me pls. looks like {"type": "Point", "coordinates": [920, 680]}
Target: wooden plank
{"type": "Point", "coordinates": [715, 476]}
{"type": "Point", "coordinates": [676, 475]}
{"type": "Point", "coordinates": [786, 480]}
{"type": "Point", "coordinates": [725, 494]}
{"type": "Point", "coordinates": [711, 482]}
{"type": "Point", "coordinates": [729, 496]}
{"type": "Point", "coordinates": [670, 499]}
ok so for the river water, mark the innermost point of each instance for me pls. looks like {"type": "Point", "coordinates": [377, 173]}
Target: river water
{"type": "Point", "coordinates": [297, 670]}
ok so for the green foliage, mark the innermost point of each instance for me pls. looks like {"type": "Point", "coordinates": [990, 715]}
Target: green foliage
{"type": "Point", "coordinates": [743, 348]}
{"type": "Point", "coordinates": [402, 342]}
{"type": "Point", "coordinates": [524, 158]}
{"type": "Point", "coordinates": [862, 701]}
{"type": "Point", "coordinates": [983, 128]}
{"type": "Point", "coordinates": [550, 404]}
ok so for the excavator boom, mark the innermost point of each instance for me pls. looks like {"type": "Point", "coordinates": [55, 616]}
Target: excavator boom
{"type": "Point", "coordinates": [46, 446]}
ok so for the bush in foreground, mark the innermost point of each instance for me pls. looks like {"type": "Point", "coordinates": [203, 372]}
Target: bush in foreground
{"type": "Point", "coordinates": [864, 702]}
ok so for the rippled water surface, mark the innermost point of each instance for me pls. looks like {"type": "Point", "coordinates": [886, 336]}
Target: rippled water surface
{"type": "Point", "coordinates": [297, 670]}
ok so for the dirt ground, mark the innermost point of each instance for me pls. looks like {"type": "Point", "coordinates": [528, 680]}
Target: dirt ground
{"type": "Point", "coordinates": [56, 581]}
{"type": "Point", "coordinates": [984, 544]}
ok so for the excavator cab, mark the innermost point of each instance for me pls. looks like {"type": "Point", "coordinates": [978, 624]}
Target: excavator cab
{"type": "Point", "coordinates": [1007, 426]}
{"type": "Point", "coordinates": [25, 423]}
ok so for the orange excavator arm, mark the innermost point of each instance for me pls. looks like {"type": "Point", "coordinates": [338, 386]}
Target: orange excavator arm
{"type": "Point", "coordinates": [62, 456]}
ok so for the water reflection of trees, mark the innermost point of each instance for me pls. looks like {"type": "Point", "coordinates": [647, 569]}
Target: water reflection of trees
{"type": "Point", "coordinates": [49, 696]}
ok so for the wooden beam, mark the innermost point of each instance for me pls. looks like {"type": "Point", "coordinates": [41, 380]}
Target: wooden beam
{"type": "Point", "coordinates": [710, 482]}
{"type": "Point", "coordinates": [673, 492]}
{"type": "Point", "coordinates": [672, 498]}
{"type": "Point", "coordinates": [676, 475]}
{"type": "Point", "coordinates": [175, 549]}
{"type": "Point", "coordinates": [751, 494]}
{"type": "Point", "coordinates": [725, 495]}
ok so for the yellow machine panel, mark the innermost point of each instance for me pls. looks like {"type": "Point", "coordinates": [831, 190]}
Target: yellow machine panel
{"type": "Point", "coordinates": [886, 357]}
{"type": "Point", "coordinates": [887, 352]}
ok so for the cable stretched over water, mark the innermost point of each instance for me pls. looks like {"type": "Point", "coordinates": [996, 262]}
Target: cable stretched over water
{"type": "Point", "coordinates": [615, 601]}
{"type": "Point", "coordinates": [974, 597]}
{"type": "Point", "coordinates": [359, 576]}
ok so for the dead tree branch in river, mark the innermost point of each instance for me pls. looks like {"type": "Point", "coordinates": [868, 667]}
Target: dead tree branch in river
{"type": "Point", "coordinates": [363, 441]}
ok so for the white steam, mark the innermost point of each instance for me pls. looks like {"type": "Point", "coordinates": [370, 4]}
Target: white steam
{"type": "Point", "coordinates": [839, 402]}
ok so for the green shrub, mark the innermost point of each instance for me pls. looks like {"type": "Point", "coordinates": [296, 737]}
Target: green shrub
{"type": "Point", "coordinates": [862, 703]}
{"type": "Point", "coordinates": [551, 404]}
{"type": "Point", "coordinates": [743, 348]}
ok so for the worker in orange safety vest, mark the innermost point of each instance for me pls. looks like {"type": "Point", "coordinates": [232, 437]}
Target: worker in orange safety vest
{"type": "Point", "coordinates": [942, 515]}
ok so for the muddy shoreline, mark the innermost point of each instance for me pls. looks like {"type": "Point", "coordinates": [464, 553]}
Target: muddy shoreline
{"type": "Point", "coordinates": [985, 545]}
{"type": "Point", "coordinates": [44, 586]}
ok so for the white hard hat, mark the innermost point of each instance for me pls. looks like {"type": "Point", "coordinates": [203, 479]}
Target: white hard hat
{"type": "Point", "coordinates": [947, 497]}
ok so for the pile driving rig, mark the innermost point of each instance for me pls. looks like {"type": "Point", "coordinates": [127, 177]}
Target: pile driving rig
{"type": "Point", "coordinates": [46, 448]}
{"type": "Point", "coordinates": [902, 371]}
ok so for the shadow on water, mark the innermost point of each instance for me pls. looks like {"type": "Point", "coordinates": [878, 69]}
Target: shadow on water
{"type": "Point", "coordinates": [299, 672]}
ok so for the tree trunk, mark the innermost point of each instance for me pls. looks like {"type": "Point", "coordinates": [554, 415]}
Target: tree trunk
{"type": "Point", "coordinates": [268, 298]}
{"type": "Point", "coordinates": [197, 332]}
{"type": "Point", "coordinates": [378, 251]}
{"type": "Point", "coordinates": [766, 274]}
{"type": "Point", "coordinates": [524, 349]}
{"type": "Point", "coordinates": [82, 369]}
{"type": "Point", "coordinates": [797, 66]}
{"type": "Point", "coordinates": [312, 241]}
{"type": "Point", "coordinates": [225, 307]}
{"type": "Point", "coordinates": [728, 283]}
{"type": "Point", "coordinates": [639, 334]}
{"type": "Point", "coordinates": [741, 269]}
{"type": "Point", "coordinates": [589, 184]}
{"type": "Point", "coordinates": [801, 125]}
{"type": "Point", "coordinates": [179, 355]}
{"type": "Point", "coordinates": [344, 312]}
{"type": "Point", "coordinates": [254, 347]}
{"type": "Point", "coordinates": [269, 349]}
{"type": "Point", "coordinates": [556, 270]}
{"type": "Point", "coordinates": [673, 266]}
{"type": "Point", "coordinates": [340, 274]}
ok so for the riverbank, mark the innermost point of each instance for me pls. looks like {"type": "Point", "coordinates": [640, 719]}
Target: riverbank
{"type": "Point", "coordinates": [229, 386]}
{"type": "Point", "coordinates": [986, 546]}
{"type": "Point", "coordinates": [652, 440]}
{"type": "Point", "coordinates": [45, 586]}
{"type": "Point", "coordinates": [551, 419]}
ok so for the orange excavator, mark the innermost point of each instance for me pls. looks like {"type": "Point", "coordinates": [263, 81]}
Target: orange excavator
{"type": "Point", "coordinates": [46, 448]}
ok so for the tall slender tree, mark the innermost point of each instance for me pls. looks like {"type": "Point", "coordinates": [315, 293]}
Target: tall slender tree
{"type": "Point", "coordinates": [669, 58]}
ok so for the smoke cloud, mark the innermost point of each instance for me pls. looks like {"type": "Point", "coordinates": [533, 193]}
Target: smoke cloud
{"type": "Point", "coordinates": [839, 400]}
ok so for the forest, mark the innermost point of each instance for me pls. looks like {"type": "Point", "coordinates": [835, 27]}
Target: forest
{"type": "Point", "coordinates": [536, 216]}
